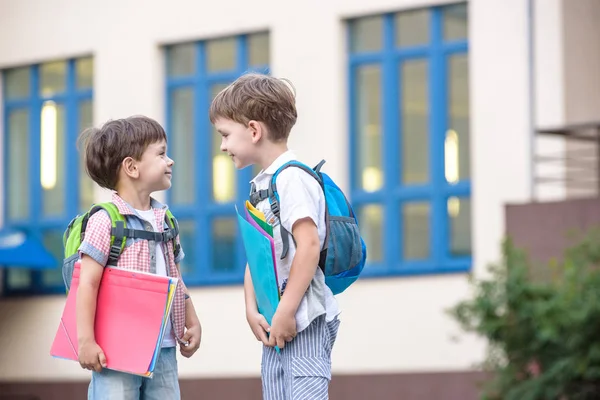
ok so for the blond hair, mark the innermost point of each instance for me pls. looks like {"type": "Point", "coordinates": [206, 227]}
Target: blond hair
{"type": "Point", "coordinates": [261, 98]}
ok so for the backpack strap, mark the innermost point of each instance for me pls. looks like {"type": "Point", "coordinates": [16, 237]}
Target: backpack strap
{"type": "Point", "coordinates": [256, 196]}
{"type": "Point", "coordinates": [119, 231]}
{"type": "Point", "coordinates": [173, 232]}
{"type": "Point", "coordinates": [273, 196]}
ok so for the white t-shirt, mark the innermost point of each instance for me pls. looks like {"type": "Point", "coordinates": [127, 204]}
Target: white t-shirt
{"type": "Point", "coordinates": [161, 269]}
{"type": "Point", "coordinates": [300, 196]}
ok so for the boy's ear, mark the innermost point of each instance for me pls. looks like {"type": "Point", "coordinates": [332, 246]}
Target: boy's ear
{"type": "Point", "coordinates": [129, 166]}
{"type": "Point", "coordinates": [257, 130]}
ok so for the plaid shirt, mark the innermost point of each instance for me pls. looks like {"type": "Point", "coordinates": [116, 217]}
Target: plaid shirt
{"type": "Point", "coordinates": [138, 254]}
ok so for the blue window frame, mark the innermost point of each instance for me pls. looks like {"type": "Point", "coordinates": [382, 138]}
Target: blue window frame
{"type": "Point", "coordinates": [409, 139]}
{"type": "Point", "coordinates": [205, 183]}
{"type": "Point", "coordinates": [45, 107]}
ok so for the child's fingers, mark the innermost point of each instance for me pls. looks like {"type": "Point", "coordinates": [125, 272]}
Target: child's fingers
{"type": "Point", "coordinates": [97, 366]}
{"type": "Point", "coordinates": [262, 336]}
{"type": "Point", "coordinates": [264, 324]}
{"type": "Point", "coordinates": [184, 352]}
{"type": "Point", "coordinates": [102, 359]}
{"type": "Point", "coordinates": [280, 342]}
{"type": "Point", "coordinates": [187, 352]}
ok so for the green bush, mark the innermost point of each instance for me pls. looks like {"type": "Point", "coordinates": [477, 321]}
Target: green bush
{"type": "Point", "coordinates": [544, 336]}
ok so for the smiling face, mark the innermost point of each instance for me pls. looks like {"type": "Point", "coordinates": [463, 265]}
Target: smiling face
{"type": "Point", "coordinates": [155, 167]}
{"type": "Point", "coordinates": [238, 141]}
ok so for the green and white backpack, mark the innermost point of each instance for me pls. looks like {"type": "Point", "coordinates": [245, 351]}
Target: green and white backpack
{"type": "Point", "coordinates": [119, 232]}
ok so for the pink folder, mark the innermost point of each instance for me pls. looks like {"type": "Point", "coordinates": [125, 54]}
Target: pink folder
{"type": "Point", "coordinates": [129, 319]}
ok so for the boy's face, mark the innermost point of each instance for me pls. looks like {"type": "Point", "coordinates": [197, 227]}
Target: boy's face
{"type": "Point", "coordinates": [237, 141]}
{"type": "Point", "coordinates": [155, 168]}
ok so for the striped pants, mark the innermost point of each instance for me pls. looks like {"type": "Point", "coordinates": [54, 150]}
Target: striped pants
{"type": "Point", "coordinates": [302, 370]}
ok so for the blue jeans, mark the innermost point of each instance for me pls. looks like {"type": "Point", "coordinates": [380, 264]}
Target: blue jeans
{"type": "Point", "coordinates": [113, 385]}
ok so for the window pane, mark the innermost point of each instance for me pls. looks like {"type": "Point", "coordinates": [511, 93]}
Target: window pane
{"type": "Point", "coordinates": [18, 164]}
{"type": "Point", "coordinates": [258, 49]}
{"type": "Point", "coordinates": [86, 184]}
{"type": "Point", "coordinates": [85, 72]}
{"type": "Point", "coordinates": [18, 278]}
{"type": "Point", "coordinates": [187, 235]}
{"type": "Point", "coordinates": [17, 83]}
{"type": "Point", "coordinates": [223, 169]}
{"type": "Point", "coordinates": [459, 211]}
{"type": "Point", "coordinates": [416, 230]}
{"type": "Point", "coordinates": [52, 241]}
{"type": "Point", "coordinates": [181, 59]}
{"type": "Point", "coordinates": [457, 146]}
{"type": "Point", "coordinates": [223, 247]}
{"type": "Point", "coordinates": [221, 54]}
{"type": "Point", "coordinates": [414, 113]}
{"type": "Point", "coordinates": [368, 129]}
{"type": "Point", "coordinates": [412, 28]}
{"type": "Point", "coordinates": [455, 22]}
{"type": "Point", "coordinates": [182, 146]}
{"type": "Point", "coordinates": [52, 158]}
{"type": "Point", "coordinates": [53, 78]}
{"type": "Point", "coordinates": [370, 220]}
{"type": "Point", "coordinates": [366, 34]}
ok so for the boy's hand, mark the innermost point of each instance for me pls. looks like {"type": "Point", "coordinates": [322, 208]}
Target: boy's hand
{"type": "Point", "coordinates": [259, 326]}
{"type": "Point", "coordinates": [283, 328]}
{"type": "Point", "coordinates": [91, 356]}
{"type": "Point", "coordinates": [192, 337]}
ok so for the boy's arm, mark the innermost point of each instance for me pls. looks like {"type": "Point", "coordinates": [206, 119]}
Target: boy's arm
{"type": "Point", "coordinates": [193, 333]}
{"type": "Point", "coordinates": [304, 266]}
{"type": "Point", "coordinates": [301, 198]}
{"type": "Point", "coordinates": [94, 250]}
{"type": "Point", "coordinates": [256, 320]}
{"type": "Point", "coordinates": [249, 295]}
{"type": "Point", "coordinates": [87, 294]}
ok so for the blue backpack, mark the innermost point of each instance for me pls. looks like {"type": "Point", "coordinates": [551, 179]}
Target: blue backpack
{"type": "Point", "coordinates": [344, 252]}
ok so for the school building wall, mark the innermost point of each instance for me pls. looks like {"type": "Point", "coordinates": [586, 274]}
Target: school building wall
{"type": "Point", "coordinates": [395, 333]}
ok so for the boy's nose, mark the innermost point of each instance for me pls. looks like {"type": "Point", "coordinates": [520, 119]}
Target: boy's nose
{"type": "Point", "coordinates": [223, 147]}
{"type": "Point", "coordinates": [170, 161]}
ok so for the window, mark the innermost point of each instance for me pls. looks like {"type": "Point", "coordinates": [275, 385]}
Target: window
{"type": "Point", "coordinates": [45, 108]}
{"type": "Point", "coordinates": [409, 108]}
{"type": "Point", "coordinates": [205, 183]}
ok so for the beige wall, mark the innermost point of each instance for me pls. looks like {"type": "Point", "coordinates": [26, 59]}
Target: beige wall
{"type": "Point", "coordinates": [549, 93]}
{"type": "Point", "coordinates": [582, 78]}
{"type": "Point", "coordinates": [582, 60]}
{"type": "Point", "coordinates": [389, 325]}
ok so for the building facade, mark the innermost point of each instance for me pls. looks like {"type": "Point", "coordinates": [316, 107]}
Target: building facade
{"type": "Point", "coordinates": [425, 110]}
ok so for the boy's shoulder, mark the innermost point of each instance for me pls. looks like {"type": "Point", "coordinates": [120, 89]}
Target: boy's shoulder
{"type": "Point", "coordinates": [293, 175]}
{"type": "Point", "coordinates": [295, 184]}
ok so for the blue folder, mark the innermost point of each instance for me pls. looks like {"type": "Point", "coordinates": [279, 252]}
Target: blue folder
{"type": "Point", "coordinates": [262, 268]}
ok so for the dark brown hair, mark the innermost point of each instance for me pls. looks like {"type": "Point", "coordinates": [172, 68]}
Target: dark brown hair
{"type": "Point", "coordinates": [261, 98]}
{"type": "Point", "coordinates": [105, 148]}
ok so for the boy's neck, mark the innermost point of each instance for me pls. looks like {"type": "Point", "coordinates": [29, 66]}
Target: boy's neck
{"type": "Point", "coordinates": [136, 199]}
{"type": "Point", "coordinates": [271, 153]}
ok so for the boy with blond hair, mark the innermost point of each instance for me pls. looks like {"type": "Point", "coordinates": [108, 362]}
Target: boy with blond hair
{"type": "Point", "coordinates": [254, 116]}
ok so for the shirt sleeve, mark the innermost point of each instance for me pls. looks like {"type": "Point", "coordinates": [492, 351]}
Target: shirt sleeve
{"type": "Point", "coordinates": [96, 240]}
{"type": "Point", "coordinates": [300, 196]}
